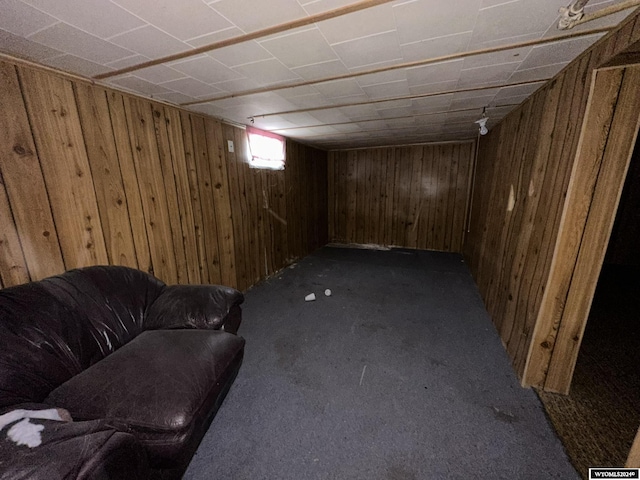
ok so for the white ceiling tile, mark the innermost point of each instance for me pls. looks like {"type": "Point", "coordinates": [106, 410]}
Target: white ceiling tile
{"type": "Point", "coordinates": [536, 73]}
{"type": "Point", "coordinates": [360, 112]}
{"type": "Point", "coordinates": [71, 63]}
{"type": "Point", "coordinates": [490, 75]}
{"type": "Point", "coordinates": [184, 19]}
{"type": "Point", "coordinates": [302, 48]}
{"type": "Point", "coordinates": [401, 122]}
{"type": "Point", "coordinates": [263, 14]}
{"type": "Point", "coordinates": [238, 85]}
{"type": "Point", "coordinates": [371, 50]}
{"type": "Point", "coordinates": [386, 90]}
{"type": "Point", "coordinates": [382, 77]}
{"type": "Point", "coordinates": [21, 19]}
{"type": "Point", "coordinates": [566, 51]}
{"type": "Point", "coordinates": [434, 87]}
{"type": "Point", "coordinates": [302, 91]}
{"type": "Point", "coordinates": [431, 104]}
{"type": "Point", "coordinates": [373, 125]}
{"type": "Point", "coordinates": [69, 39]}
{"type": "Point", "coordinates": [436, 47]}
{"type": "Point", "coordinates": [309, 101]}
{"type": "Point", "coordinates": [515, 19]}
{"type": "Point", "coordinates": [339, 88]}
{"type": "Point", "coordinates": [432, 118]}
{"type": "Point", "coordinates": [321, 70]}
{"type": "Point", "coordinates": [192, 87]}
{"type": "Point", "coordinates": [175, 97]}
{"type": "Point", "coordinates": [516, 91]}
{"type": "Point", "coordinates": [364, 23]}
{"type": "Point", "coordinates": [208, 110]}
{"type": "Point", "coordinates": [515, 100]}
{"type": "Point", "coordinates": [496, 58]}
{"type": "Point", "coordinates": [300, 119]}
{"type": "Point", "coordinates": [273, 123]}
{"type": "Point", "coordinates": [384, 107]}
{"type": "Point", "coordinates": [127, 61]}
{"type": "Point", "coordinates": [330, 116]}
{"type": "Point", "coordinates": [493, 3]}
{"type": "Point", "coordinates": [151, 42]}
{"type": "Point", "coordinates": [435, 73]}
{"type": "Point", "coordinates": [25, 48]}
{"type": "Point", "coordinates": [479, 93]}
{"type": "Point", "coordinates": [425, 19]}
{"type": "Point", "coordinates": [400, 111]}
{"type": "Point", "coordinates": [473, 102]}
{"type": "Point", "coordinates": [319, 6]}
{"type": "Point", "coordinates": [348, 99]}
{"type": "Point", "coordinates": [138, 85]}
{"type": "Point", "coordinates": [267, 72]}
{"type": "Point", "coordinates": [240, 54]}
{"type": "Point", "coordinates": [206, 69]}
{"type": "Point", "coordinates": [347, 128]}
{"type": "Point", "coordinates": [101, 18]}
{"type": "Point", "coordinates": [159, 74]}
{"type": "Point", "coordinates": [214, 37]}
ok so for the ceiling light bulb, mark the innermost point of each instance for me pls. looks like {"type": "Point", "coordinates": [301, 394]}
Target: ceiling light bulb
{"type": "Point", "coordinates": [483, 125]}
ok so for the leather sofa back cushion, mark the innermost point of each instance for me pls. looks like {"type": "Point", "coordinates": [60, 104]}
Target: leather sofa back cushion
{"type": "Point", "coordinates": [53, 329]}
{"type": "Point", "coordinates": [160, 381]}
{"type": "Point", "coordinates": [206, 307]}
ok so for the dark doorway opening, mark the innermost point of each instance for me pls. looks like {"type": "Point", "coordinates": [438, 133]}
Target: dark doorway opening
{"type": "Point", "coordinates": [598, 420]}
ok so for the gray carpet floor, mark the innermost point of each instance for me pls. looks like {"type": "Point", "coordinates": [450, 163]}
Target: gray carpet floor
{"type": "Point", "coordinates": [398, 375]}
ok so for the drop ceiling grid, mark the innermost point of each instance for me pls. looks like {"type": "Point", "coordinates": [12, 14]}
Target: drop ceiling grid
{"type": "Point", "coordinates": [96, 36]}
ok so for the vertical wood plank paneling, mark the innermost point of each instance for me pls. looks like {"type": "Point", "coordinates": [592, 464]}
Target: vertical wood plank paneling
{"type": "Point", "coordinates": [349, 173]}
{"type": "Point", "coordinates": [533, 148]}
{"type": "Point", "coordinates": [411, 197]}
{"type": "Point", "coordinates": [194, 193]}
{"type": "Point", "coordinates": [613, 160]}
{"type": "Point", "coordinates": [205, 188]}
{"type": "Point", "coordinates": [251, 224]}
{"type": "Point", "coordinates": [27, 197]}
{"type": "Point", "coordinates": [102, 154]}
{"type": "Point", "coordinates": [220, 182]}
{"type": "Point", "coordinates": [173, 209]}
{"type": "Point", "coordinates": [415, 200]}
{"type": "Point", "coordinates": [13, 268]}
{"type": "Point", "coordinates": [122, 140]}
{"type": "Point", "coordinates": [331, 195]}
{"type": "Point", "coordinates": [238, 210]}
{"type": "Point", "coordinates": [56, 129]}
{"type": "Point", "coordinates": [389, 211]}
{"type": "Point", "coordinates": [185, 207]}
{"type": "Point", "coordinates": [152, 188]}
{"type": "Point", "coordinates": [127, 181]}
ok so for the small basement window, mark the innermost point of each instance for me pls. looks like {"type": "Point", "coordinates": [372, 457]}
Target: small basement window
{"type": "Point", "coordinates": [266, 149]}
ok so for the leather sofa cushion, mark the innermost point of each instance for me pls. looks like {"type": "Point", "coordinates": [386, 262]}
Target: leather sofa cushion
{"type": "Point", "coordinates": [53, 329]}
{"type": "Point", "coordinates": [158, 386]}
{"type": "Point", "coordinates": [192, 306]}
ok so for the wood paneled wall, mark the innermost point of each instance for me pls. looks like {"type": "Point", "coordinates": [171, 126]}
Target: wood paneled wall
{"type": "Point", "coordinates": [413, 196]}
{"type": "Point", "coordinates": [523, 172]}
{"type": "Point", "coordinates": [90, 176]}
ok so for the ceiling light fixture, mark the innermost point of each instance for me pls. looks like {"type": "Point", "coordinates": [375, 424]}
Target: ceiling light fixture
{"type": "Point", "coordinates": [571, 14]}
{"type": "Point", "coordinates": [482, 122]}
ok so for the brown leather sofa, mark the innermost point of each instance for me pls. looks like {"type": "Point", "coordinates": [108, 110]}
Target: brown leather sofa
{"type": "Point", "coordinates": [122, 351]}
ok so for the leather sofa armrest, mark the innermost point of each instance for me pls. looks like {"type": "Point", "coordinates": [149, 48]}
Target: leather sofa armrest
{"type": "Point", "coordinates": [211, 307]}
